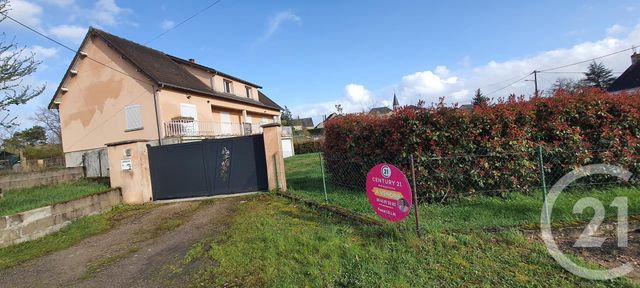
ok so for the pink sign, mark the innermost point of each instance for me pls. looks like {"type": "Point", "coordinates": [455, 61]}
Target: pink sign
{"type": "Point", "coordinates": [389, 192]}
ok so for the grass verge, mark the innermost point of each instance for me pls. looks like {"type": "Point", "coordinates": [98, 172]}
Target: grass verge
{"type": "Point", "coordinates": [304, 178]}
{"type": "Point", "coordinates": [19, 200]}
{"type": "Point", "coordinates": [274, 242]}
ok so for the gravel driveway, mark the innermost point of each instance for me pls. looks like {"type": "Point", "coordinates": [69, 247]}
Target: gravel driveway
{"type": "Point", "coordinates": [135, 253]}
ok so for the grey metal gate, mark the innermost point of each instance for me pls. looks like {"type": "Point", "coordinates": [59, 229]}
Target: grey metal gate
{"type": "Point", "coordinates": [209, 167]}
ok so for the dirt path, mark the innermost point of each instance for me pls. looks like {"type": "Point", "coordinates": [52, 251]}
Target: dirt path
{"type": "Point", "coordinates": [608, 255]}
{"type": "Point", "coordinates": [135, 253]}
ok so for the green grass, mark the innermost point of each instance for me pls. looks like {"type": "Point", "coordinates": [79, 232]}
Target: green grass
{"type": "Point", "coordinates": [68, 236]}
{"type": "Point", "coordinates": [276, 243]}
{"type": "Point", "coordinates": [304, 178]}
{"type": "Point", "coordinates": [20, 200]}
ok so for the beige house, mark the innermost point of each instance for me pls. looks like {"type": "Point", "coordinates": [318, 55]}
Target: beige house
{"type": "Point", "coordinates": [116, 90]}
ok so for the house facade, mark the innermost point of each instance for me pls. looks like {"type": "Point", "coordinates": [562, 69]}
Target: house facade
{"type": "Point", "coordinates": [300, 124]}
{"type": "Point", "coordinates": [116, 90]}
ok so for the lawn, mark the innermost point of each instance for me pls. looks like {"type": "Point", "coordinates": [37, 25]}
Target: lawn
{"type": "Point", "coordinates": [304, 178]}
{"type": "Point", "coordinates": [273, 242]}
{"type": "Point", "coordinates": [19, 200]}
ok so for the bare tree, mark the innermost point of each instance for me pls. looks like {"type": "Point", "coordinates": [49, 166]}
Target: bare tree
{"type": "Point", "coordinates": [15, 64]}
{"type": "Point", "coordinates": [50, 120]}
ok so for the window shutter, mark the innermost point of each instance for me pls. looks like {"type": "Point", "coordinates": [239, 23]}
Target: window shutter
{"type": "Point", "coordinates": [132, 117]}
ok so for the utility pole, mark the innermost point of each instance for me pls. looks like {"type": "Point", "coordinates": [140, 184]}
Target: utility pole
{"type": "Point", "coordinates": [535, 81]}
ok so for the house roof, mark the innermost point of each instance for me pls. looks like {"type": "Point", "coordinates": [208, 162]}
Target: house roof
{"type": "Point", "coordinates": [629, 79]}
{"type": "Point", "coordinates": [304, 122]}
{"type": "Point", "coordinates": [164, 70]}
{"type": "Point", "coordinates": [321, 124]}
{"type": "Point", "coordinates": [212, 70]}
{"type": "Point", "coordinates": [267, 101]}
{"type": "Point", "coordinates": [380, 110]}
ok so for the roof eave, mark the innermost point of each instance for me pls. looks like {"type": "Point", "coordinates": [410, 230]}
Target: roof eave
{"type": "Point", "coordinates": [212, 70]}
{"type": "Point", "coordinates": [213, 94]}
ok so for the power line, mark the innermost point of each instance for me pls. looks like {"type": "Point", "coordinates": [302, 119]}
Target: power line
{"type": "Point", "coordinates": [585, 61]}
{"type": "Point", "coordinates": [572, 72]}
{"type": "Point", "coordinates": [510, 84]}
{"type": "Point", "coordinates": [184, 21]}
{"type": "Point", "coordinates": [73, 50]}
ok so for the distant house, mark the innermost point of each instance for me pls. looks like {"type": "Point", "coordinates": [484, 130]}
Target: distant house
{"type": "Point", "coordinates": [327, 118]}
{"type": "Point", "coordinates": [302, 123]}
{"type": "Point", "coordinates": [466, 107]}
{"type": "Point", "coordinates": [630, 79]}
{"type": "Point", "coordinates": [381, 111]}
{"type": "Point", "coordinates": [385, 111]}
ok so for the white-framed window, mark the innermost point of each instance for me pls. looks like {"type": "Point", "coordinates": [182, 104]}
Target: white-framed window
{"type": "Point", "coordinates": [248, 89]}
{"type": "Point", "coordinates": [226, 84]}
{"type": "Point", "coordinates": [133, 119]}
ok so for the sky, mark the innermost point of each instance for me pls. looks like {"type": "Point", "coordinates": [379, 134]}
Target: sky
{"type": "Point", "coordinates": [312, 55]}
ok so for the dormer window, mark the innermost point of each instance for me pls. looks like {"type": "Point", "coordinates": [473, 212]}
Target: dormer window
{"type": "Point", "coordinates": [248, 88]}
{"type": "Point", "coordinates": [226, 85]}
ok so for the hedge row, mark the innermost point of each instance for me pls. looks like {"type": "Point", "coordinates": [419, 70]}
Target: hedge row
{"type": "Point", "coordinates": [491, 149]}
{"type": "Point", "coordinates": [307, 146]}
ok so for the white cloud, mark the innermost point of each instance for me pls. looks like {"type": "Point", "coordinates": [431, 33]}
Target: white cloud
{"type": "Point", "coordinates": [424, 83]}
{"type": "Point", "coordinates": [61, 3]}
{"type": "Point", "coordinates": [616, 30]}
{"type": "Point", "coordinates": [69, 32]}
{"type": "Point", "coordinates": [167, 24]}
{"type": "Point", "coordinates": [357, 94]}
{"type": "Point", "coordinates": [465, 61]}
{"type": "Point", "coordinates": [456, 85]}
{"type": "Point", "coordinates": [42, 52]}
{"type": "Point", "coordinates": [461, 94]}
{"type": "Point", "coordinates": [442, 70]}
{"type": "Point", "coordinates": [25, 12]}
{"type": "Point", "coordinates": [276, 21]}
{"type": "Point", "coordinates": [107, 12]}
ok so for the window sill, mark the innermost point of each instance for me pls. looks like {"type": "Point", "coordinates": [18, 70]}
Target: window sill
{"type": "Point", "coordinates": [134, 129]}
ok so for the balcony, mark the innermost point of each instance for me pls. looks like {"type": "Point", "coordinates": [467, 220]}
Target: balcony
{"type": "Point", "coordinates": [202, 129]}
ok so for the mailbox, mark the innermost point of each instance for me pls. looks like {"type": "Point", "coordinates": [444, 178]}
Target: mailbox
{"type": "Point", "coordinates": [125, 164]}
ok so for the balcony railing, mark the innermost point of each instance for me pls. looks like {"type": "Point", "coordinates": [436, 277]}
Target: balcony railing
{"type": "Point", "coordinates": [190, 128]}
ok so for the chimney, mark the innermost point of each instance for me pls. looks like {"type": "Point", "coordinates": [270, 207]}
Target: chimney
{"type": "Point", "coordinates": [635, 58]}
{"type": "Point", "coordinates": [192, 60]}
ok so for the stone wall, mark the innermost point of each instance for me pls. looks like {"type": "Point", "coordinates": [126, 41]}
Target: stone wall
{"type": "Point", "coordinates": [31, 179]}
{"type": "Point", "coordinates": [33, 224]}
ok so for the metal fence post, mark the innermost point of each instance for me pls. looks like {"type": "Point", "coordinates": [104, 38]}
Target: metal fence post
{"type": "Point", "coordinates": [415, 196]}
{"type": "Point", "coordinates": [543, 182]}
{"type": "Point", "coordinates": [324, 183]}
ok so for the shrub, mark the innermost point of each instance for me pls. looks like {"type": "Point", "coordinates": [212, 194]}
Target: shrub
{"type": "Point", "coordinates": [489, 148]}
{"type": "Point", "coordinates": [43, 151]}
{"type": "Point", "coordinates": [307, 146]}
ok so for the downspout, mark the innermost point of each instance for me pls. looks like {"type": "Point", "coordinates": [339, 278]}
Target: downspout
{"type": "Point", "coordinates": [155, 106]}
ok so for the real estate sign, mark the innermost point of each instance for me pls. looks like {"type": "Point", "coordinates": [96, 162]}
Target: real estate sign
{"type": "Point", "coordinates": [389, 192]}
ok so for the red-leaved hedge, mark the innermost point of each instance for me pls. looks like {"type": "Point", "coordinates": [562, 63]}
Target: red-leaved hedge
{"type": "Point", "coordinates": [489, 148]}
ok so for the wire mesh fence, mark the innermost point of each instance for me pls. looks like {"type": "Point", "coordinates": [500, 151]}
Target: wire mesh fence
{"type": "Point", "coordinates": [439, 179]}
